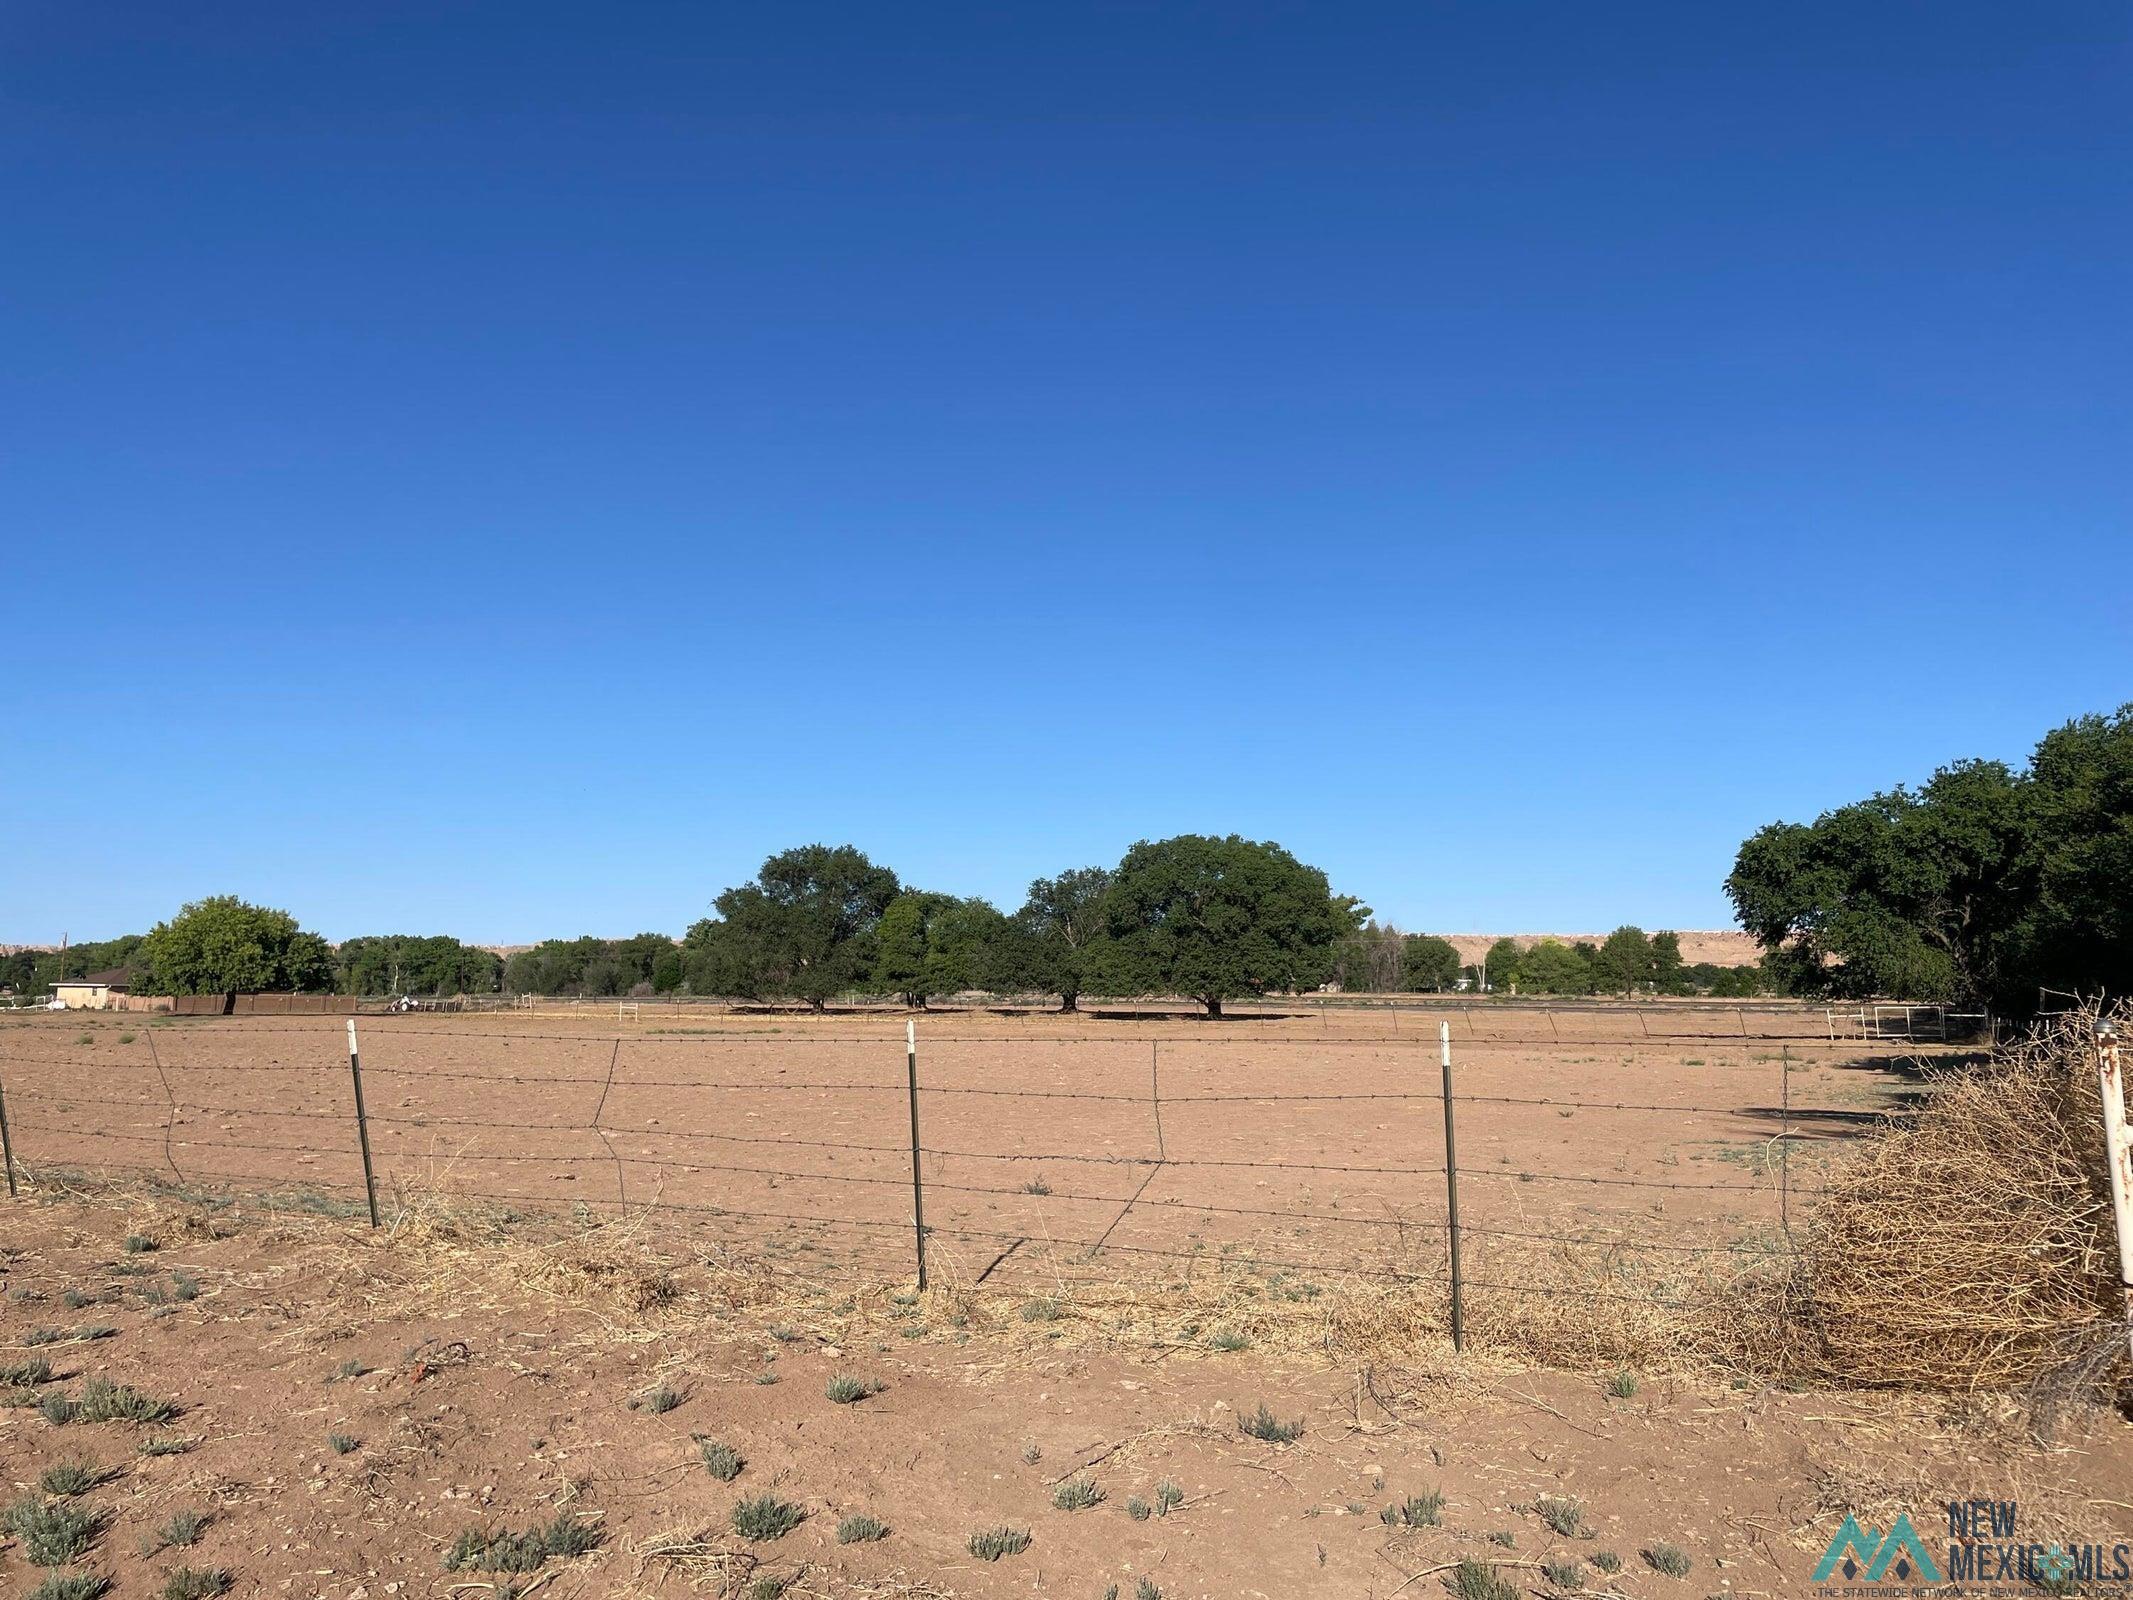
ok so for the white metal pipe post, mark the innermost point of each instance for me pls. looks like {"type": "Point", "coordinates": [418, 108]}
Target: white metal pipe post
{"type": "Point", "coordinates": [2118, 1157]}
{"type": "Point", "coordinates": [918, 1192]}
{"type": "Point", "coordinates": [355, 1076]}
{"type": "Point", "coordinates": [1451, 1189]}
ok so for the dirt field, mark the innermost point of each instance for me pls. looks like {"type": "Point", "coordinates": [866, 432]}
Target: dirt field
{"type": "Point", "coordinates": [1312, 1144]}
{"type": "Point", "coordinates": [725, 1213]}
{"type": "Point", "coordinates": [351, 1407]}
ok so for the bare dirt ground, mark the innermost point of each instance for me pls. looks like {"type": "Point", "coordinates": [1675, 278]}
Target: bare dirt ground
{"type": "Point", "coordinates": [740, 1233]}
{"type": "Point", "coordinates": [1316, 1143]}
{"type": "Point", "coordinates": [477, 1383]}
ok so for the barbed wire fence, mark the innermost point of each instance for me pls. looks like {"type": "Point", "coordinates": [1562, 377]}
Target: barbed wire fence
{"type": "Point", "coordinates": [1065, 1153]}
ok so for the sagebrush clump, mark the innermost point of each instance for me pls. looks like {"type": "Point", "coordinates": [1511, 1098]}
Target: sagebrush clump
{"type": "Point", "coordinates": [991, 1544]}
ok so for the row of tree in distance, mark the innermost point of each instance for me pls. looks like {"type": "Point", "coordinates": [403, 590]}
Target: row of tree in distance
{"type": "Point", "coordinates": [1988, 884]}
{"type": "Point", "coordinates": [1213, 918]}
{"type": "Point", "coordinates": [1383, 960]}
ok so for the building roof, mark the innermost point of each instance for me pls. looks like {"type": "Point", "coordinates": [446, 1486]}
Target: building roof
{"type": "Point", "coordinates": [116, 978]}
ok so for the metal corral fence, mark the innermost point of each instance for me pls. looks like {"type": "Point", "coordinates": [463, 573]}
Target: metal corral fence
{"type": "Point", "coordinates": [910, 1148]}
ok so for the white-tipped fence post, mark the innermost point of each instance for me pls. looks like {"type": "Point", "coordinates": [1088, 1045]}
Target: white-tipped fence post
{"type": "Point", "coordinates": [2118, 1157]}
{"type": "Point", "coordinates": [355, 1074]}
{"type": "Point", "coordinates": [918, 1193]}
{"type": "Point", "coordinates": [1451, 1189]}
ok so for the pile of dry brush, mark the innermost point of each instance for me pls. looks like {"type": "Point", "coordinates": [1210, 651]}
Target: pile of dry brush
{"type": "Point", "coordinates": [1969, 1247]}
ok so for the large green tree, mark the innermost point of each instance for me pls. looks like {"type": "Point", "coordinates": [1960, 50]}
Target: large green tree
{"type": "Point", "coordinates": [1049, 947]}
{"type": "Point", "coordinates": [1623, 963]}
{"type": "Point", "coordinates": [1667, 975]}
{"type": "Point", "coordinates": [1499, 967]}
{"type": "Point", "coordinates": [1217, 919]}
{"type": "Point", "coordinates": [806, 927]}
{"type": "Point", "coordinates": [222, 945]}
{"type": "Point", "coordinates": [1986, 883]}
{"type": "Point", "coordinates": [1428, 963]}
{"type": "Point", "coordinates": [935, 944]}
{"type": "Point", "coordinates": [1552, 967]}
{"type": "Point", "coordinates": [589, 965]}
{"type": "Point", "coordinates": [398, 963]}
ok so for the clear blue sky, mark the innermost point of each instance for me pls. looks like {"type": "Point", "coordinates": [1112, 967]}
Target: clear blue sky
{"type": "Point", "coordinates": [504, 469]}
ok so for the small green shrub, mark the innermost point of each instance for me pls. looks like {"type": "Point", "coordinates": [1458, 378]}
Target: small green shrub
{"type": "Point", "coordinates": [1036, 1186]}
{"type": "Point", "coordinates": [1564, 1574]}
{"type": "Point", "coordinates": [1263, 1425]}
{"type": "Point", "coordinates": [1670, 1559]}
{"type": "Point", "coordinates": [164, 1444]}
{"type": "Point", "coordinates": [847, 1390]}
{"type": "Point", "coordinates": [479, 1550]}
{"type": "Point", "coordinates": [58, 1409]}
{"type": "Point", "coordinates": [990, 1544]}
{"type": "Point", "coordinates": [184, 1286]}
{"type": "Point", "coordinates": [196, 1583]}
{"type": "Point", "coordinates": [1168, 1497]}
{"type": "Point", "coordinates": [71, 1478]}
{"type": "Point", "coordinates": [1042, 1309]}
{"type": "Point", "coordinates": [1505, 1539]}
{"type": "Point", "coordinates": [764, 1517]}
{"type": "Point", "coordinates": [1416, 1511]}
{"type": "Point", "coordinates": [52, 1533]}
{"type": "Point", "coordinates": [1138, 1509]}
{"type": "Point", "coordinates": [658, 1401]}
{"type": "Point", "coordinates": [1564, 1516]}
{"type": "Point", "coordinates": [1477, 1580]}
{"type": "Point", "coordinates": [139, 1244]}
{"type": "Point", "coordinates": [1145, 1589]}
{"type": "Point", "coordinates": [722, 1461]}
{"type": "Point", "coordinates": [105, 1401]}
{"type": "Point", "coordinates": [348, 1369]}
{"type": "Point", "coordinates": [860, 1528]}
{"type": "Point", "coordinates": [1607, 1561]}
{"type": "Point", "coordinates": [341, 1444]}
{"type": "Point", "coordinates": [1623, 1384]}
{"type": "Point", "coordinates": [26, 1374]}
{"type": "Point", "coordinates": [182, 1529]}
{"type": "Point", "coordinates": [71, 1586]}
{"type": "Point", "coordinates": [1077, 1494]}
{"type": "Point", "coordinates": [1228, 1340]}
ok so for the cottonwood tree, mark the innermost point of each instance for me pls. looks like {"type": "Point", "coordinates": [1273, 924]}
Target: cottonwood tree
{"type": "Point", "coordinates": [400, 963]}
{"type": "Point", "coordinates": [805, 927]}
{"type": "Point", "coordinates": [1428, 963]}
{"type": "Point", "coordinates": [1499, 967]}
{"type": "Point", "coordinates": [1552, 967]}
{"type": "Point", "coordinates": [223, 945]}
{"type": "Point", "coordinates": [1666, 962]}
{"type": "Point", "coordinates": [1986, 883]}
{"type": "Point", "coordinates": [1217, 919]}
{"type": "Point", "coordinates": [1049, 946]}
{"type": "Point", "coordinates": [1624, 961]}
{"type": "Point", "coordinates": [934, 944]}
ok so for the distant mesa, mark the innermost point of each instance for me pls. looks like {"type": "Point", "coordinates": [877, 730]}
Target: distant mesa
{"type": "Point", "coordinates": [1722, 947]}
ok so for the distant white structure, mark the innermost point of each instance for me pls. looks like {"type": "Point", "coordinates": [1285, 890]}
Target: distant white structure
{"type": "Point", "coordinates": [91, 993]}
